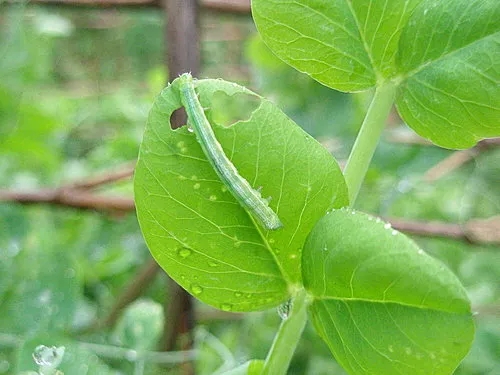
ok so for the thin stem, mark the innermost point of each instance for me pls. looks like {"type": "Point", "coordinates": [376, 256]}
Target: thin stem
{"type": "Point", "coordinates": [286, 339]}
{"type": "Point", "coordinates": [368, 137]}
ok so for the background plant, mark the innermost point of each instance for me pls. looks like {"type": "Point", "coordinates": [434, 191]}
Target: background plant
{"type": "Point", "coordinates": [88, 130]}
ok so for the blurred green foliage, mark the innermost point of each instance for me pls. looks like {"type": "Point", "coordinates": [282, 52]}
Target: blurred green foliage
{"type": "Point", "coordinates": [75, 89]}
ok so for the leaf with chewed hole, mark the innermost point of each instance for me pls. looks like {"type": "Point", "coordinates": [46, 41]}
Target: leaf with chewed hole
{"type": "Point", "coordinates": [196, 229]}
{"type": "Point", "coordinates": [383, 305]}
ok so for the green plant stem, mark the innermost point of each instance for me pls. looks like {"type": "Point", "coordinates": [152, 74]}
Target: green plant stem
{"type": "Point", "coordinates": [288, 336]}
{"type": "Point", "coordinates": [368, 138]}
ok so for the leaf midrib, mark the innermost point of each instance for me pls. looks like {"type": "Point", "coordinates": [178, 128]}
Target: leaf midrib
{"type": "Point", "coordinates": [357, 299]}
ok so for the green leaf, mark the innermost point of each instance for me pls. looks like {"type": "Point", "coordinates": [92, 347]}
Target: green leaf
{"type": "Point", "coordinates": [346, 45]}
{"type": "Point", "coordinates": [195, 228]}
{"type": "Point", "coordinates": [382, 304]}
{"type": "Point", "coordinates": [450, 59]}
{"type": "Point", "coordinates": [444, 55]}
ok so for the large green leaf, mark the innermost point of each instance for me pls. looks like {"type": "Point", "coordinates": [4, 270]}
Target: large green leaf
{"type": "Point", "coordinates": [196, 229]}
{"type": "Point", "coordinates": [346, 45]}
{"type": "Point", "coordinates": [444, 55]}
{"type": "Point", "coordinates": [382, 304]}
{"type": "Point", "coordinates": [449, 57]}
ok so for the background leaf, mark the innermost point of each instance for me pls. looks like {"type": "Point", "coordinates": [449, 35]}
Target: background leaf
{"type": "Point", "coordinates": [199, 233]}
{"type": "Point", "coordinates": [381, 303]}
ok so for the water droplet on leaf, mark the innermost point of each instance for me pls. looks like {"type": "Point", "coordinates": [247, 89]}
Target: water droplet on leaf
{"type": "Point", "coordinates": [284, 309]}
{"type": "Point", "coordinates": [184, 252]}
{"type": "Point", "coordinates": [196, 289]}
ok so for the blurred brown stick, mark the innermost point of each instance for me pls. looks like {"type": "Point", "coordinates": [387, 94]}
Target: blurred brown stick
{"type": "Point", "coordinates": [230, 6]}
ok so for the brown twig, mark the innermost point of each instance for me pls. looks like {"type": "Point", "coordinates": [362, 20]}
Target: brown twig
{"type": "Point", "coordinates": [476, 231]}
{"type": "Point", "coordinates": [69, 198]}
{"type": "Point", "coordinates": [450, 163]}
{"type": "Point", "coordinates": [122, 173]}
{"type": "Point", "coordinates": [229, 6]}
{"type": "Point", "coordinates": [139, 283]}
{"type": "Point", "coordinates": [459, 158]}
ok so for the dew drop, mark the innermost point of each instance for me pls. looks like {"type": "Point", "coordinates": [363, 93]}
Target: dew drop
{"type": "Point", "coordinates": [213, 198]}
{"type": "Point", "coordinates": [271, 240]}
{"type": "Point", "coordinates": [48, 356]}
{"type": "Point", "coordinates": [180, 144]}
{"type": "Point", "coordinates": [184, 150]}
{"type": "Point", "coordinates": [284, 309]}
{"type": "Point", "coordinates": [194, 177]}
{"type": "Point", "coordinates": [420, 252]}
{"type": "Point", "coordinates": [181, 177]}
{"type": "Point", "coordinates": [293, 256]}
{"type": "Point", "coordinates": [213, 264]}
{"type": "Point", "coordinates": [196, 186]}
{"type": "Point", "coordinates": [184, 252]}
{"type": "Point", "coordinates": [238, 294]}
{"type": "Point", "coordinates": [226, 307]}
{"type": "Point", "coordinates": [394, 232]}
{"type": "Point", "coordinates": [408, 351]}
{"type": "Point", "coordinates": [196, 289]}
{"type": "Point", "coordinates": [391, 349]}
{"type": "Point", "coordinates": [387, 226]}
{"type": "Point", "coordinates": [223, 188]}
{"type": "Point", "coordinates": [131, 355]}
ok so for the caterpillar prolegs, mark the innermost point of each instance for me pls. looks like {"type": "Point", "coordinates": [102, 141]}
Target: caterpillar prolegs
{"type": "Point", "coordinates": [239, 187]}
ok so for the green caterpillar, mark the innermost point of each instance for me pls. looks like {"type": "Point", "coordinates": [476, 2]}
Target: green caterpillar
{"type": "Point", "coordinates": [247, 196]}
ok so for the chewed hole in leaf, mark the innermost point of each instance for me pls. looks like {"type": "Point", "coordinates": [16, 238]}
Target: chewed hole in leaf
{"type": "Point", "coordinates": [226, 110]}
{"type": "Point", "coordinates": [178, 118]}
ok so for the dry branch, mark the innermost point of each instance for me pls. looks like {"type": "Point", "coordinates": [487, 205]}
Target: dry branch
{"type": "Point", "coordinates": [230, 6]}
{"type": "Point", "coordinates": [69, 198]}
{"type": "Point", "coordinates": [477, 231]}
